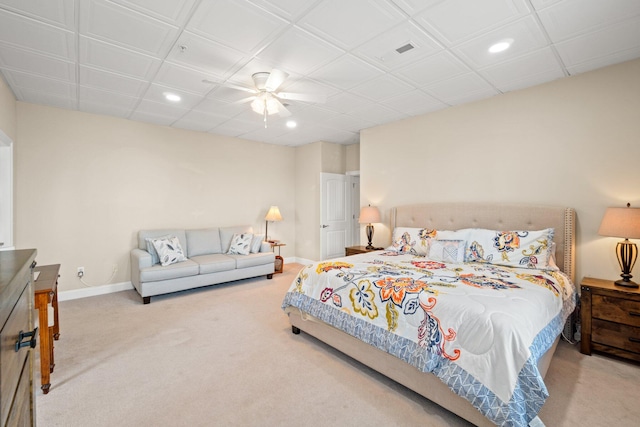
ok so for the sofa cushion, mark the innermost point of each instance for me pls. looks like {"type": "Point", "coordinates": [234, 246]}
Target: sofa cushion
{"type": "Point", "coordinates": [252, 260]}
{"type": "Point", "coordinates": [214, 263]}
{"type": "Point", "coordinates": [203, 242]}
{"type": "Point", "coordinates": [173, 271]}
{"type": "Point", "coordinates": [226, 234]}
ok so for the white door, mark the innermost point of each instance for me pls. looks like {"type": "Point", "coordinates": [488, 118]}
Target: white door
{"type": "Point", "coordinates": [354, 185]}
{"type": "Point", "coordinates": [335, 215]}
{"type": "Point", "coordinates": [6, 192]}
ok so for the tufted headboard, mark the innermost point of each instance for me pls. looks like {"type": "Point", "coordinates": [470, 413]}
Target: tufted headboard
{"type": "Point", "coordinates": [496, 216]}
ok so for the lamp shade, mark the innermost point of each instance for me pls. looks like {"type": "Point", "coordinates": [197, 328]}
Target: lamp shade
{"type": "Point", "coordinates": [621, 222]}
{"type": "Point", "coordinates": [273, 214]}
{"type": "Point", "coordinates": [369, 214]}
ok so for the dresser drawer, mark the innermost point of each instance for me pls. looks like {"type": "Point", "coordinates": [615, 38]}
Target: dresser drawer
{"type": "Point", "coordinates": [616, 335]}
{"type": "Point", "coordinates": [616, 310]}
{"type": "Point", "coordinates": [20, 414]}
{"type": "Point", "coordinates": [12, 361]}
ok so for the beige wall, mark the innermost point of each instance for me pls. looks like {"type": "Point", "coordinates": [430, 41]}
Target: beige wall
{"type": "Point", "coordinates": [85, 184]}
{"type": "Point", "coordinates": [7, 110]}
{"type": "Point", "coordinates": [573, 142]}
{"type": "Point", "coordinates": [352, 158]}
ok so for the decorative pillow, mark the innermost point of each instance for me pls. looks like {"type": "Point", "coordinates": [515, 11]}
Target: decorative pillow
{"type": "Point", "coordinates": [518, 248]}
{"type": "Point", "coordinates": [411, 240]}
{"type": "Point", "coordinates": [256, 243]}
{"type": "Point", "coordinates": [152, 250]}
{"type": "Point", "coordinates": [169, 250]}
{"type": "Point", "coordinates": [240, 244]}
{"type": "Point", "coordinates": [447, 250]}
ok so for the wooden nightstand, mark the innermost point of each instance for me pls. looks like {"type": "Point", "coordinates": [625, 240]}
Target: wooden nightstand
{"type": "Point", "coordinates": [610, 317]}
{"type": "Point", "coordinates": [353, 250]}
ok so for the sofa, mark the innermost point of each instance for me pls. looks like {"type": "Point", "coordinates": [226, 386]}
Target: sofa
{"type": "Point", "coordinates": [194, 258]}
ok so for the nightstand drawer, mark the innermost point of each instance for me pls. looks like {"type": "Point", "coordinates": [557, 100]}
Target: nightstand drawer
{"type": "Point", "coordinates": [616, 335]}
{"type": "Point", "coordinates": [616, 310]}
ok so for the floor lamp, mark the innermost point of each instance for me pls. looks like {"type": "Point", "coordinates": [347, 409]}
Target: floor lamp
{"type": "Point", "coordinates": [272, 215]}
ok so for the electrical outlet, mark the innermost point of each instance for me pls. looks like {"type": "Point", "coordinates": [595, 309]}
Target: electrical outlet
{"type": "Point", "coordinates": [80, 271]}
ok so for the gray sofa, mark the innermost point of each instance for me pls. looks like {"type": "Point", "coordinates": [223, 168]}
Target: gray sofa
{"type": "Point", "coordinates": [207, 261]}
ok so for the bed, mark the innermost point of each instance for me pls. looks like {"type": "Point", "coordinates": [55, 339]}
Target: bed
{"type": "Point", "coordinates": [408, 311]}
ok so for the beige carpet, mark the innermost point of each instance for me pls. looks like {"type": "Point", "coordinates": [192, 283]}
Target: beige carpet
{"type": "Point", "coordinates": [225, 356]}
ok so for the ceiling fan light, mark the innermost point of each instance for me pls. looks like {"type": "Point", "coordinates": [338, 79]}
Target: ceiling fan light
{"type": "Point", "coordinates": [272, 105]}
{"type": "Point", "coordinates": [257, 105]}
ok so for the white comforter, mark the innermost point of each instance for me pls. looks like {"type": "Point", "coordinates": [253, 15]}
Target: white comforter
{"type": "Point", "coordinates": [480, 328]}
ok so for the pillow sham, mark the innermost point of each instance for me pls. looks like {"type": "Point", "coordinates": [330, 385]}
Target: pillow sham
{"type": "Point", "coordinates": [451, 251]}
{"type": "Point", "coordinates": [515, 248]}
{"type": "Point", "coordinates": [240, 244]}
{"type": "Point", "coordinates": [411, 240]}
{"type": "Point", "coordinates": [256, 243]}
{"type": "Point", "coordinates": [169, 250]}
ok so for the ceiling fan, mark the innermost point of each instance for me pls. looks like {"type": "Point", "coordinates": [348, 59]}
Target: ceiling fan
{"type": "Point", "coordinates": [266, 99]}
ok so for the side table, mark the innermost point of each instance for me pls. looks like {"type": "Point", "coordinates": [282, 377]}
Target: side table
{"type": "Point", "coordinates": [279, 263]}
{"type": "Point", "coordinates": [46, 292]}
{"type": "Point", "coordinates": [353, 250]}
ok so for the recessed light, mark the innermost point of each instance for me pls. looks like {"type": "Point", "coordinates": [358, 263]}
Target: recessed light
{"type": "Point", "coordinates": [501, 46]}
{"type": "Point", "coordinates": [291, 124]}
{"type": "Point", "coordinates": [171, 97]}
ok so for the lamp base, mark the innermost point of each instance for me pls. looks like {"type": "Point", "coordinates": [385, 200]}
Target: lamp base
{"type": "Point", "coordinates": [626, 283]}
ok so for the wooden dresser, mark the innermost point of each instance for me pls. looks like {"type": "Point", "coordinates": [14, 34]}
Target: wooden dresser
{"type": "Point", "coordinates": [17, 338]}
{"type": "Point", "coordinates": [610, 318]}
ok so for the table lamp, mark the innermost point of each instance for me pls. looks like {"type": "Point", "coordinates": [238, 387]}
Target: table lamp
{"type": "Point", "coordinates": [625, 223]}
{"type": "Point", "coordinates": [272, 215]}
{"type": "Point", "coordinates": [368, 215]}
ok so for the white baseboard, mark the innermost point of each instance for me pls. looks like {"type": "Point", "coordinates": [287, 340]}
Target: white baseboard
{"type": "Point", "coordinates": [302, 261]}
{"type": "Point", "coordinates": [94, 291]}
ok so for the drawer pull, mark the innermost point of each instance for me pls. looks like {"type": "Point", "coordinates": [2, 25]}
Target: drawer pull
{"type": "Point", "coordinates": [634, 313]}
{"type": "Point", "coordinates": [31, 342]}
{"type": "Point", "coordinates": [636, 340]}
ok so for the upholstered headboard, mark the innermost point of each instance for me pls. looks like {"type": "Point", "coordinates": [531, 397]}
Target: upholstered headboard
{"type": "Point", "coordinates": [496, 216]}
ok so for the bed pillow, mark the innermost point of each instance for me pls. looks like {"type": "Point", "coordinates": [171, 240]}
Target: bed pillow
{"type": "Point", "coordinates": [451, 251]}
{"type": "Point", "coordinates": [408, 240]}
{"type": "Point", "coordinates": [169, 250]}
{"type": "Point", "coordinates": [515, 248]}
{"type": "Point", "coordinates": [240, 244]}
{"type": "Point", "coordinates": [256, 243]}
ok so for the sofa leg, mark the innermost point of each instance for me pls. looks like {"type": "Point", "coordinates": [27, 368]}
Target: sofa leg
{"type": "Point", "coordinates": [270, 276]}
{"type": "Point", "coordinates": [295, 330]}
{"type": "Point", "coordinates": [146, 300]}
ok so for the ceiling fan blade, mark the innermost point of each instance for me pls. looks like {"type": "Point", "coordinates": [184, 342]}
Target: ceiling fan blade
{"type": "Point", "coordinates": [244, 100]}
{"type": "Point", "coordinates": [305, 97]}
{"type": "Point", "coordinates": [282, 110]}
{"type": "Point", "coordinates": [276, 78]}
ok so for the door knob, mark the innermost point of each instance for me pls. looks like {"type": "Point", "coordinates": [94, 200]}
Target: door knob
{"type": "Point", "coordinates": [324, 226]}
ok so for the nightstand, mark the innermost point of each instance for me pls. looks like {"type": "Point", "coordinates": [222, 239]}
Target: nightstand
{"type": "Point", "coordinates": [610, 317]}
{"type": "Point", "coordinates": [353, 250]}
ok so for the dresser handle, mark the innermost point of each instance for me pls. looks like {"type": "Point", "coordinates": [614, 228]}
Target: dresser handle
{"type": "Point", "coordinates": [636, 340]}
{"type": "Point", "coordinates": [634, 313]}
{"type": "Point", "coordinates": [31, 342]}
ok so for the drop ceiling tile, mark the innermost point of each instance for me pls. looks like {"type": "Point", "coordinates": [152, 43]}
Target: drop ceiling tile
{"type": "Point", "coordinates": [200, 121]}
{"type": "Point", "coordinates": [109, 57]}
{"type": "Point", "coordinates": [445, 20]}
{"type": "Point", "coordinates": [218, 107]}
{"type": "Point", "coordinates": [382, 50]}
{"type": "Point", "coordinates": [350, 23]}
{"type": "Point", "coordinates": [37, 83]}
{"type": "Point", "coordinates": [604, 61]}
{"type": "Point", "coordinates": [14, 58]}
{"type": "Point", "coordinates": [526, 36]}
{"type": "Point", "coordinates": [213, 58]}
{"type": "Point", "coordinates": [346, 72]}
{"type": "Point", "coordinates": [412, 7]}
{"type": "Point", "coordinates": [348, 123]}
{"type": "Point", "coordinates": [414, 103]}
{"type": "Point", "coordinates": [345, 102]}
{"type": "Point", "coordinates": [105, 109]}
{"type": "Point", "coordinates": [37, 97]}
{"type": "Point", "coordinates": [312, 113]}
{"type": "Point", "coordinates": [381, 88]}
{"type": "Point", "coordinates": [113, 82]}
{"type": "Point", "coordinates": [183, 78]}
{"type": "Point", "coordinates": [287, 9]}
{"type": "Point", "coordinates": [115, 24]}
{"type": "Point", "coordinates": [541, 4]}
{"type": "Point", "coordinates": [174, 12]}
{"type": "Point", "coordinates": [56, 12]}
{"type": "Point", "coordinates": [114, 100]}
{"type": "Point", "coordinates": [28, 33]}
{"type": "Point", "coordinates": [433, 69]}
{"type": "Point", "coordinates": [608, 42]}
{"type": "Point", "coordinates": [229, 95]}
{"type": "Point", "coordinates": [570, 18]}
{"type": "Point", "coordinates": [161, 109]}
{"type": "Point", "coordinates": [313, 88]}
{"type": "Point", "coordinates": [156, 119]}
{"type": "Point", "coordinates": [299, 51]}
{"type": "Point", "coordinates": [528, 70]}
{"type": "Point", "coordinates": [464, 88]}
{"type": "Point", "coordinates": [239, 25]}
{"type": "Point", "coordinates": [188, 100]}
{"type": "Point", "coordinates": [379, 114]}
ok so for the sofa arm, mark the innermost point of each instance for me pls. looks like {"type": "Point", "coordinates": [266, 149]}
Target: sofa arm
{"type": "Point", "coordinates": [139, 259]}
{"type": "Point", "coordinates": [265, 247]}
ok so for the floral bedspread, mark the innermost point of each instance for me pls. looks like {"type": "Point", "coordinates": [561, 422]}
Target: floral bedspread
{"type": "Point", "coordinates": [480, 328]}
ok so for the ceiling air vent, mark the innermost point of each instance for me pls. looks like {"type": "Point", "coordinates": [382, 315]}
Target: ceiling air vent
{"type": "Point", "coordinates": [394, 54]}
{"type": "Point", "coordinates": [406, 47]}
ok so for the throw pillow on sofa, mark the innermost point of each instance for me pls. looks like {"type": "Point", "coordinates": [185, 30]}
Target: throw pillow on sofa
{"type": "Point", "coordinates": [169, 250]}
{"type": "Point", "coordinates": [152, 250]}
{"type": "Point", "coordinates": [256, 243]}
{"type": "Point", "coordinates": [241, 244]}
